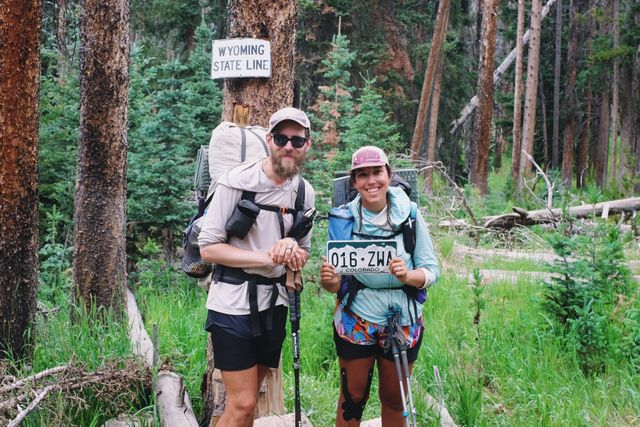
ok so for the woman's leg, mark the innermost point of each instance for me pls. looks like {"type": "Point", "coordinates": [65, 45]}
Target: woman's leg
{"type": "Point", "coordinates": [355, 377]}
{"type": "Point", "coordinates": [389, 392]}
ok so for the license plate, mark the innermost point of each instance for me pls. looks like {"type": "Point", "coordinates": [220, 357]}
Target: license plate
{"type": "Point", "coordinates": [361, 256]}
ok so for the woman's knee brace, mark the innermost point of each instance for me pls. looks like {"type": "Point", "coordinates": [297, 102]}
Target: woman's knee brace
{"type": "Point", "coordinates": [351, 409]}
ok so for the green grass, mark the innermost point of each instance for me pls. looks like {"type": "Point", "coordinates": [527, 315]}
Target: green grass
{"type": "Point", "coordinates": [177, 306]}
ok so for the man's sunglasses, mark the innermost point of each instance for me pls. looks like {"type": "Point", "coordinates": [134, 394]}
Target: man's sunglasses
{"type": "Point", "coordinates": [281, 140]}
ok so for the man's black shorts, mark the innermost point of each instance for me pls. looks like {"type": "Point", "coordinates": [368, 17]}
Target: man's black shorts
{"type": "Point", "coordinates": [347, 350]}
{"type": "Point", "coordinates": [233, 351]}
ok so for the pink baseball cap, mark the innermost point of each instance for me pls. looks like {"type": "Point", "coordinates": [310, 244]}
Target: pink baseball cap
{"type": "Point", "coordinates": [368, 156]}
{"type": "Point", "coordinates": [289, 113]}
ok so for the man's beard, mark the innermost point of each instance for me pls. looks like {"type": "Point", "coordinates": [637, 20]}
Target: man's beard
{"type": "Point", "coordinates": [289, 169]}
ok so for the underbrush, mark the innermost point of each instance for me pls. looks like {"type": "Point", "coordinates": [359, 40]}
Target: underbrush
{"type": "Point", "coordinates": [87, 346]}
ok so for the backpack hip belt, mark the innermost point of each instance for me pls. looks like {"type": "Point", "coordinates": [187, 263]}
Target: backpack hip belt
{"type": "Point", "coordinates": [237, 276]}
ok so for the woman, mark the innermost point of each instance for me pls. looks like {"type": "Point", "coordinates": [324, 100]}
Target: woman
{"type": "Point", "coordinates": [361, 322]}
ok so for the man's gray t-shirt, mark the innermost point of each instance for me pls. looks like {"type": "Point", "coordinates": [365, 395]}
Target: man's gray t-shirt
{"type": "Point", "coordinates": [234, 299]}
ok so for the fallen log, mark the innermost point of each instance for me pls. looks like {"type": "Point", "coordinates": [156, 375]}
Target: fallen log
{"type": "Point", "coordinates": [141, 344]}
{"type": "Point", "coordinates": [288, 420]}
{"type": "Point", "coordinates": [521, 217]}
{"type": "Point", "coordinates": [174, 405]}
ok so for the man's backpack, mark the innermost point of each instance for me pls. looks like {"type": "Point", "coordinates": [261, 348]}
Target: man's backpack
{"type": "Point", "coordinates": [230, 145]}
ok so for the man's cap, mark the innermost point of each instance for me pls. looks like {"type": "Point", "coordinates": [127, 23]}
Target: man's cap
{"type": "Point", "coordinates": [368, 156]}
{"type": "Point", "coordinates": [289, 113]}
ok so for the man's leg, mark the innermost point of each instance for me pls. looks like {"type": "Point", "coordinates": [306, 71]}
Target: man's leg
{"type": "Point", "coordinates": [242, 394]}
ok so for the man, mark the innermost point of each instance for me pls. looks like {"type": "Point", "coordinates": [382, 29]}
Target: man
{"type": "Point", "coordinates": [247, 300]}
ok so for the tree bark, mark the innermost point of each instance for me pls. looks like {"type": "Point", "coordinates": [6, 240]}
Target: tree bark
{"type": "Point", "coordinates": [570, 106]}
{"type": "Point", "coordinates": [275, 22]}
{"type": "Point", "coordinates": [99, 267]}
{"type": "Point", "coordinates": [555, 145]}
{"type": "Point", "coordinates": [439, 35]}
{"type": "Point", "coordinates": [19, 115]}
{"type": "Point", "coordinates": [482, 128]}
{"type": "Point", "coordinates": [529, 125]}
{"type": "Point", "coordinates": [517, 95]}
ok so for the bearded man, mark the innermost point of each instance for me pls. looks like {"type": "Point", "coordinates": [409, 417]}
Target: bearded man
{"type": "Point", "coordinates": [245, 235]}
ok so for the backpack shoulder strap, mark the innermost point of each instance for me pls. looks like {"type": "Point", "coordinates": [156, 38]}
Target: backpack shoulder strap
{"type": "Point", "coordinates": [264, 145]}
{"type": "Point", "coordinates": [300, 196]}
{"type": "Point", "coordinates": [249, 195]}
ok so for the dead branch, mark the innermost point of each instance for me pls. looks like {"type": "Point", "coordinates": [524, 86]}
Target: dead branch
{"type": "Point", "coordinates": [116, 382]}
{"type": "Point", "coordinates": [34, 378]}
{"type": "Point", "coordinates": [546, 180]}
{"type": "Point", "coordinates": [438, 166]}
{"type": "Point", "coordinates": [22, 415]}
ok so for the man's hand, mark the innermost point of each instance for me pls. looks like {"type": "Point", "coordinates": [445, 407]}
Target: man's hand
{"type": "Point", "coordinates": [298, 260]}
{"type": "Point", "coordinates": [283, 250]}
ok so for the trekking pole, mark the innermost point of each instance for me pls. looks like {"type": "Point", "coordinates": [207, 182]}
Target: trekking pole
{"type": "Point", "coordinates": [407, 377]}
{"type": "Point", "coordinates": [396, 360]}
{"type": "Point", "coordinates": [294, 277]}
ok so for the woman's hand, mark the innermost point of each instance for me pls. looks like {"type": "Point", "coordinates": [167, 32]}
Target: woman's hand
{"type": "Point", "coordinates": [398, 268]}
{"type": "Point", "coordinates": [415, 278]}
{"type": "Point", "coordinates": [328, 277]}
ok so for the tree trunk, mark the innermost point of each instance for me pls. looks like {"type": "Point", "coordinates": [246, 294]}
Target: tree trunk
{"type": "Point", "coordinates": [275, 22]}
{"type": "Point", "coordinates": [585, 137]}
{"type": "Point", "coordinates": [529, 125]}
{"type": "Point", "coordinates": [517, 95]}
{"type": "Point", "coordinates": [497, 75]}
{"type": "Point", "coordinates": [433, 125]}
{"type": "Point", "coordinates": [19, 114]}
{"type": "Point", "coordinates": [634, 139]}
{"type": "Point", "coordinates": [543, 112]}
{"type": "Point", "coordinates": [615, 183]}
{"type": "Point", "coordinates": [555, 149]}
{"type": "Point", "coordinates": [482, 128]}
{"type": "Point", "coordinates": [602, 143]}
{"type": "Point", "coordinates": [439, 35]}
{"type": "Point", "coordinates": [61, 38]}
{"type": "Point", "coordinates": [570, 103]}
{"type": "Point", "coordinates": [627, 125]}
{"type": "Point", "coordinates": [99, 266]}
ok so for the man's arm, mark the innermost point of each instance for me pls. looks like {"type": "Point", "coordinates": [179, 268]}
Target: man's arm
{"type": "Point", "coordinates": [231, 256]}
